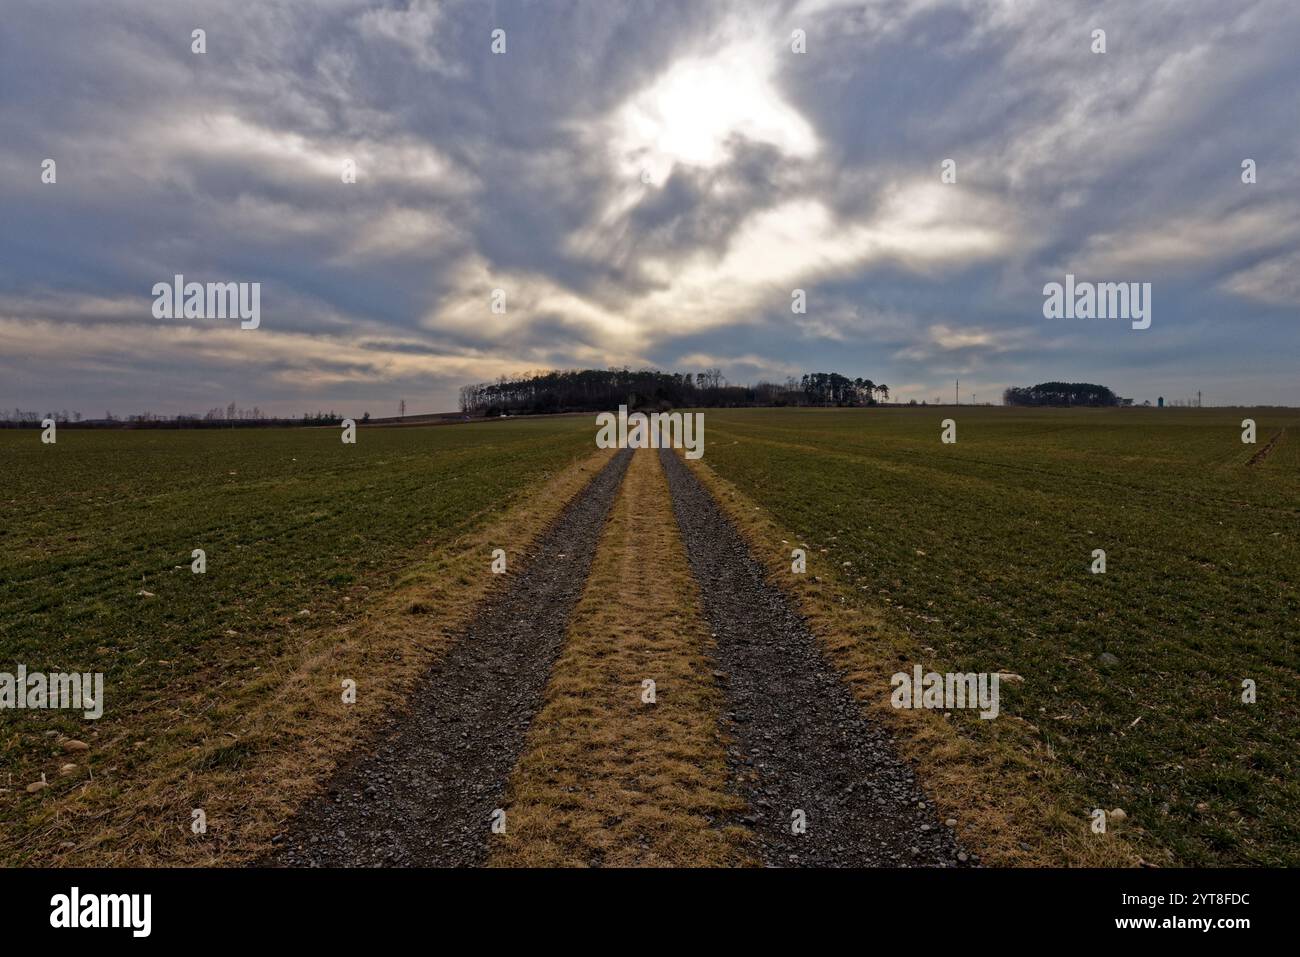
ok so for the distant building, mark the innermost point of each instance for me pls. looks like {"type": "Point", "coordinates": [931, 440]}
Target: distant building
{"type": "Point", "coordinates": [1160, 402]}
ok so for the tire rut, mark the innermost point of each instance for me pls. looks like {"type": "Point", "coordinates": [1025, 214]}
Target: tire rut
{"type": "Point", "coordinates": [1263, 453]}
{"type": "Point", "coordinates": [423, 792]}
{"type": "Point", "coordinates": [800, 739]}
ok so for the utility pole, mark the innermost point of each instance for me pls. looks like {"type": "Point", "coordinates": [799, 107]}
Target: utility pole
{"type": "Point", "coordinates": [957, 392]}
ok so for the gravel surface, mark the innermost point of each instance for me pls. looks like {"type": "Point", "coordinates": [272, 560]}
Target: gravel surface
{"type": "Point", "coordinates": [800, 739]}
{"type": "Point", "coordinates": [423, 792]}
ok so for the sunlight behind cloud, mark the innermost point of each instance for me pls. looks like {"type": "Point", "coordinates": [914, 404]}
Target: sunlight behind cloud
{"type": "Point", "coordinates": [644, 182]}
{"type": "Point", "coordinates": [699, 104]}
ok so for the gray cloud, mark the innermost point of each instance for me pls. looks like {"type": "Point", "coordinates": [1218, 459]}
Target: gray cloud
{"type": "Point", "coordinates": [767, 171]}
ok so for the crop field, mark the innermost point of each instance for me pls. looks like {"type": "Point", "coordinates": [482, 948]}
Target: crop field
{"type": "Point", "coordinates": [980, 553]}
{"type": "Point", "coordinates": [301, 533]}
{"type": "Point", "coordinates": [1124, 688]}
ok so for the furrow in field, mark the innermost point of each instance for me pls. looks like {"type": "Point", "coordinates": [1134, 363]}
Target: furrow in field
{"type": "Point", "coordinates": [1263, 453]}
{"type": "Point", "coordinates": [425, 794]}
{"type": "Point", "coordinates": [804, 750]}
{"type": "Point", "coordinates": [609, 776]}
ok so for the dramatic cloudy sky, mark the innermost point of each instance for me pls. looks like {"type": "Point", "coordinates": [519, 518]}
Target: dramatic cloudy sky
{"type": "Point", "coordinates": [647, 182]}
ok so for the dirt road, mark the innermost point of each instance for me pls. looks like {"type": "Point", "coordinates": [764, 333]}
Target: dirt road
{"type": "Point", "coordinates": [754, 752]}
{"type": "Point", "coordinates": [802, 746]}
{"type": "Point", "coordinates": [424, 793]}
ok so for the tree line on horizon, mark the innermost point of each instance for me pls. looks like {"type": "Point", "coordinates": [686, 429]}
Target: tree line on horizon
{"type": "Point", "coordinates": [216, 418]}
{"type": "Point", "coordinates": [595, 390]}
{"type": "Point", "coordinates": [1063, 394]}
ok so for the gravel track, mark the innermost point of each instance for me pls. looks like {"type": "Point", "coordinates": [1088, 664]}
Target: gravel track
{"type": "Point", "coordinates": [423, 792]}
{"type": "Point", "coordinates": [800, 739]}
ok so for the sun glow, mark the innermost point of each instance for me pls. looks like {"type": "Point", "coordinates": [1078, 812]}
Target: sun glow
{"type": "Point", "coordinates": [695, 110]}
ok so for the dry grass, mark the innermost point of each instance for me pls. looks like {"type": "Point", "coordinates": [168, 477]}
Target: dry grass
{"type": "Point", "coordinates": [250, 755]}
{"type": "Point", "coordinates": [607, 779]}
{"type": "Point", "coordinates": [995, 777]}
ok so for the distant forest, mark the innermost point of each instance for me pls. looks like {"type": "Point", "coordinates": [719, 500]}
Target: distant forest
{"type": "Point", "coordinates": [595, 390]}
{"type": "Point", "coordinates": [1063, 393]}
{"type": "Point", "coordinates": [586, 390]}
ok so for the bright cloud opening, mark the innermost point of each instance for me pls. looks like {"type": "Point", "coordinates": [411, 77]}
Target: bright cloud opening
{"type": "Point", "coordinates": [692, 113]}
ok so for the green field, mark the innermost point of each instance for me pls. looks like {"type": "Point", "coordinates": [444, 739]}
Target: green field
{"type": "Point", "coordinates": [983, 549]}
{"type": "Point", "coordinates": [292, 521]}
{"type": "Point", "coordinates": [980, 550]}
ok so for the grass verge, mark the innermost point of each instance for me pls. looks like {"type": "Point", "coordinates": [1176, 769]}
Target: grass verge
{"type": "Point", "coordinates": [607, 778]}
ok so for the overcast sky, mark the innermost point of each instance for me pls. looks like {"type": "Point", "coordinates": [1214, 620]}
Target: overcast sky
{"type": "Point", "coordinates": [647, 183]}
